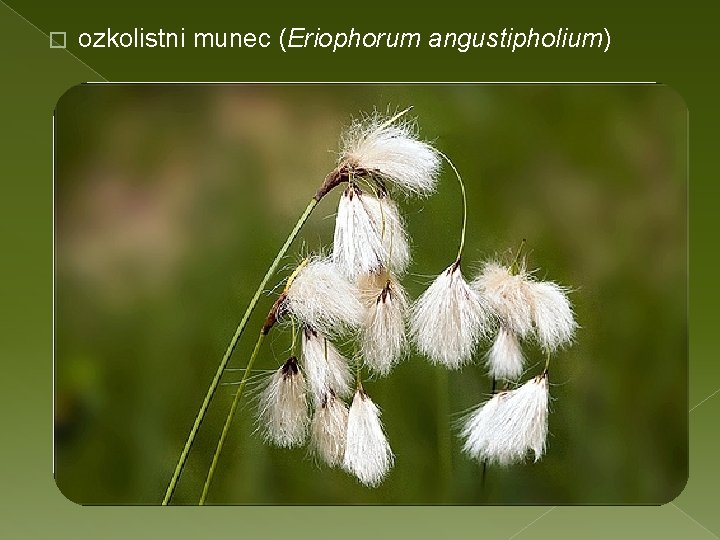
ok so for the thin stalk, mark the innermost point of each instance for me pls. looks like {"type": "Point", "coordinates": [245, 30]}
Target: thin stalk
{"type": "Point", "coordinates": [228, 420]}
{"type": "Point", "coordinates": [269, 323]}
{"type": "Point", "coordinates": [231, 347]}
{"type": "Point", "coordinates": [484, 475]}
{"type": "Point", "coordinates": [464, 201]}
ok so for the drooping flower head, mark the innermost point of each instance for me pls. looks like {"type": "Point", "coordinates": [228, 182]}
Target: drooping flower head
{"type": "Point", "coordinates": [505, 358]}
{"type": "Point", "coordinates": [508, 295]}
{"type": "Point", "coordinates": [553, 314]}
{"type": "Point", "coordinates": [448, 319]}
{"type": "Point", "coordinates": [358, 245]}
{"type": "Point", "coordinates": [367, 452]}
{"type": "Point", "coordinates": [391, 228]}
{"type": "Point", "coordinates": [391, 150]}
{"type": "Point", "coordinates": [328, 430]}
{"type": "Point", "coordinates": [525, 306]}
{"type": "Point", "coordinates": [322, 297]}
{"type": "Point", "coordinates": [383, 331]}
{"type": "Point", "coordinates": [369, 234]}
{"type": "Point", "coordinates": [325, 368]}
{"type": "Point", "coordinates": [511, 424]}
{"type": "Point", "coordinates": [283, 407]}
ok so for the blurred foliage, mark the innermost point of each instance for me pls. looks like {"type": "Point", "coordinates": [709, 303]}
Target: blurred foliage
{"type": "Point", "coordinates": [172, 200]}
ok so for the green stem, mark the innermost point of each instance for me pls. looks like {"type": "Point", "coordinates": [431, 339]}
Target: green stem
{"type": "Point", "coordinates": [231, 346]}
{"type": "Point", "coordinates": [228, 420]}
{"type": "Point", "coordinates": [464, 201]}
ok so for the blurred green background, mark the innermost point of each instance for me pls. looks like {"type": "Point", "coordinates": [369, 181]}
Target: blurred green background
{"type": "Point", "coordinates": [171, 201]}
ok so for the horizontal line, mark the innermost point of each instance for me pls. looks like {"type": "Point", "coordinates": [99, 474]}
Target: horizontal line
{"type": "Point", "coordinates": [378, 82]}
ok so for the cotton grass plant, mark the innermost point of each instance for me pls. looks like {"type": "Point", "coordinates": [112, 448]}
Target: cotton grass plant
{"type": "Point", "coordinates": [355, 296]}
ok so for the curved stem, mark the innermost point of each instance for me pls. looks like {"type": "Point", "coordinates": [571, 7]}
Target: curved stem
{"type": "Point", "coordinates": [228, 420]}
{"type": "Point", "coordinates": [464, 201]}
{"type": "Point", "coordinates": [231, 346]}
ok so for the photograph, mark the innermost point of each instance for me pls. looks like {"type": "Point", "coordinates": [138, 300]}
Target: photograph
{"type": "Point", "coordinates": [370, 294]}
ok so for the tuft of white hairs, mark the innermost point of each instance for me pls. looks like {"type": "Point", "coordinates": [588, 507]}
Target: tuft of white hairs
{"type": "Point", "coordinates": [358, 246]}
{"type": "Point", "coordinates": [526, 306]}
{"type": "Point", "coordinates": [391, 228]}
{"type": "Point", "coordinates": [369, 234]}
{"type": "Point", "coordinates": [367, 452]}
{"type": "Point", "coordinates": [383, 331]}
{"type": "Point", "coordinates": [283, 407]}
{"type": "Point", "coordinates": [323, 298]}
{"type": "Point", "coordinates": [509, 296]}
{"type": "Point", "coordinates": [505, 358]}
{"type": "Point", "coordinates": [448, 319]}
{"type": "Point", "coordinates": [325, 368]}
{"type": "Point", "coordinates": [511, 424]}
{"type": "Point", "coordinates": [553, 315]}
{"type": "Point", "coordinates": [476, 426]}
{"type": "Point", "coordinates": [393, 151]}
{"type": "Point", "coordinates": [328, 430]}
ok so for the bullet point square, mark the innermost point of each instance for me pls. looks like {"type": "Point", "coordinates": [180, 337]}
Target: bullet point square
{"type": "Point", "coordinates": [58, 40]}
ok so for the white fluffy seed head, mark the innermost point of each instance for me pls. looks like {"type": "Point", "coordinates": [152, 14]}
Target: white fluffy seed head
{"type": "Point", "coordinates": [526, 306]}
{"type": "Point", "coordinates": [475, 431]}
{"type": "Point", "coordinates": [321, 297]}
{"type": "Point", "coordinates": [508, 295]}
{"type": "Point", "coordinates": [391, 228]}
{"type": "Point", "coordinates": [553, 315]}
{"type": "Point", "coordinates": [370, 285]}
{"type": "Point", "coordinates": [383, 331]}
{"type": "Point", "coordinates": [325, 368]}
{"type": "Point", "coordinates": [367, 452]}
{"type": "Point", "coordinates": [393, 151]}
{"type": "Point", "coordinates": [283, 408]}
{"type": "Point", "coordinates": [505, 358]}
{"type": "Point", "coordinates": [448, 319]}
{"type": "Point", "coordinates": [328, 430]}
{"type": "Point", "coordinates": [369, 234]}
{"type": "Point", "coordinates": [357, 245]}
{"type": "Point", "coordinates": [511, 424]}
